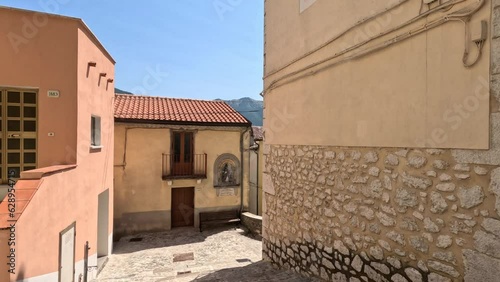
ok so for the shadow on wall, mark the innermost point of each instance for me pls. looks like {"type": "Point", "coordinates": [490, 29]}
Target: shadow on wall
{"type": "Point", "coordinates": [20, 273]}
{"type": "Point", "coordinates": [258, 271]}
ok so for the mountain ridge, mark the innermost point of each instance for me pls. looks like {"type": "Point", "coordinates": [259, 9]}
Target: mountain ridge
{"type": "Point", "coordinates": [252, 109]}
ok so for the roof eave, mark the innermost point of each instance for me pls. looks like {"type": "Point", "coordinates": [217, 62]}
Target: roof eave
{"type": "Point", "coordinates": [97, 41]}
{"type": "Point", "coordinates": [170, 122]}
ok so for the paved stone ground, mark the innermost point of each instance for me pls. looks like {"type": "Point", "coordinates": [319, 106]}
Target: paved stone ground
{"type": "Point", "coordinates": [226, 254]}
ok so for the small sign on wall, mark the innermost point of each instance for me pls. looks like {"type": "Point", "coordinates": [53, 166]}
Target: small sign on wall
{"type": "Point", "coordinates": [53, 93]}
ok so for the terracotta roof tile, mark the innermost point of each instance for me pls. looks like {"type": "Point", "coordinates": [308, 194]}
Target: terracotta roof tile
{"type": "Point", "coordinates": [27, 184]}
{"type": "Point", "coordinates": [133, 107]}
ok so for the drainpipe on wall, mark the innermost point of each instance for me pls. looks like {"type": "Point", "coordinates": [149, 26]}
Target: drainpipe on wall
{"type": "Point", "coordinates": [258, 169]}
{"type": "Point", "coordinates": [242, 150]}
{"type": "Point", "coordinates": [86, 261]}
{"type": "Point", "coordinates": [255, 148]}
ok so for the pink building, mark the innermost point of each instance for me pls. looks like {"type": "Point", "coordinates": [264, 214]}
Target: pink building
{"type": "Point", "coordinates": [56, 140]}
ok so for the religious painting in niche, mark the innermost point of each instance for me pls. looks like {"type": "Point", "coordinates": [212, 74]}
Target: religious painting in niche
{"type": "Point", "coordinates": [226, 171]}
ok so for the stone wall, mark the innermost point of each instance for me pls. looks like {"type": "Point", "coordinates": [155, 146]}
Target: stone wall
{"type": "Point", "coordinates": [381, 214]}
{"type": "Point", "coordinates": [387, 214]}
{"type": "Point", "coordinates": [252, 222]}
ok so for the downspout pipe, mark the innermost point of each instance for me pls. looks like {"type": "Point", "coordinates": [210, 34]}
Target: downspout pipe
{"type": "Point", "coordinates": [255, 149]}
{"type": "Point", "coordinates": [258, 169]}
{"type": "Point", "coordinates": [242, 150]}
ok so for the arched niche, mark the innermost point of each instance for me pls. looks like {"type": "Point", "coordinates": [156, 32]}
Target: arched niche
{"type": "Point", "coordinates": [227, 171]}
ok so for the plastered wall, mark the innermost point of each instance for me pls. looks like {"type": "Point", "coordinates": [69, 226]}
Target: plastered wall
{"type": "Point", "coordinates": [360, 203]}
{"type": "Point", "coordinates": [71, 196]}
{"type": "Point", "coordinates": [406, 88]}
{"type": "Point", "coordinates": [44, 57]}
{"type": "Point", "coordinates": [143, 198]}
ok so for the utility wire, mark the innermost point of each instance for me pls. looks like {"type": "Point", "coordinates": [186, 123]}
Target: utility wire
{"type": "Point", "coordinates": [274, 84]}
{"type": "Point", "coordinates": [333, 39]}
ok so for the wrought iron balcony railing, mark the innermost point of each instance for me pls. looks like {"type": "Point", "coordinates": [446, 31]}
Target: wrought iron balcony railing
{"type": "Point", "coordinates": [184, 166]}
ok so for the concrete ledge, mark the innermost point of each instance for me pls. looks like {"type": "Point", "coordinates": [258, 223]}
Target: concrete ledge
{"type": "Point", "coordinates": [45, 171]}
{"type": "Point", "coordinates": [252, 222]}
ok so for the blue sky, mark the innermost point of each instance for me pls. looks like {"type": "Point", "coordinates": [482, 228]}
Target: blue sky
{"type": "Point", "coordinates": [203, 49]}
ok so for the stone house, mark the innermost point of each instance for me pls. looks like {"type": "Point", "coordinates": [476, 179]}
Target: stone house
{"type": "Point", "coordinates": [382, 133]}
{"type": "Point", "coordinates": [175, 158]}
{"type": "Point", "coordinates": [56, 141]}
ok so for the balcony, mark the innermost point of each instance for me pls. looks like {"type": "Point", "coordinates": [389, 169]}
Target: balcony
{"type": "Point", "coordinates": [184, 166]}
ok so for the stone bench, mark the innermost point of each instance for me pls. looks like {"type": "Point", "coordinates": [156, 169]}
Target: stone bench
{"type": "Point", "coordinates": [219, 217]}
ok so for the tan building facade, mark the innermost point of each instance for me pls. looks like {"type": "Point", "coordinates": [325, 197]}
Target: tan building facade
{"type": "Point", "coordinates": [170, 165]}
{"type": "Point", "coordinates": [382, 139]}
{"type": "Point", "coordinates": [57, 142]}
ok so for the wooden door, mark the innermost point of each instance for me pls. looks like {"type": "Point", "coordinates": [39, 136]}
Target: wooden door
{"type": "Point", "coordinates": [182, 148]}
{"type": "Point", "coordinates": [182, 207]}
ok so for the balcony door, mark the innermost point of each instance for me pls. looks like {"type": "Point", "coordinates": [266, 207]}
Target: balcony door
{"type": "Point", "coordinates": [18, 132]}
{"type": "Point", "coordinates": [182, 149]}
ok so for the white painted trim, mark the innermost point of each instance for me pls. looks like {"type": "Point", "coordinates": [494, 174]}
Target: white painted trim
{"type": "Point", "coordinates": [51, 277]}
{"type": "Point", "coordinates": [110, 244]}
{"type": "Point", "coordinates": [54, 276]}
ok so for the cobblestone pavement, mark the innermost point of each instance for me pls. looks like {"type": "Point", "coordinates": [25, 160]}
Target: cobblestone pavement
{"type": "Point", "coordinates": [214, 255]}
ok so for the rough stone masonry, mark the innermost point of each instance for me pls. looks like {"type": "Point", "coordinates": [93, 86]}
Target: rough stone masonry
{"type": "Point", "coordinates": [387, 214]}
{"type": "Point", "coordinates": [382, 214]}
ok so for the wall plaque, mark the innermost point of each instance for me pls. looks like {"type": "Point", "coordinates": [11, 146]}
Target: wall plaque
{"type": "Point", "coordinates": [53, 93]}
{"type": "Point", "coordinates": [224, 192]}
